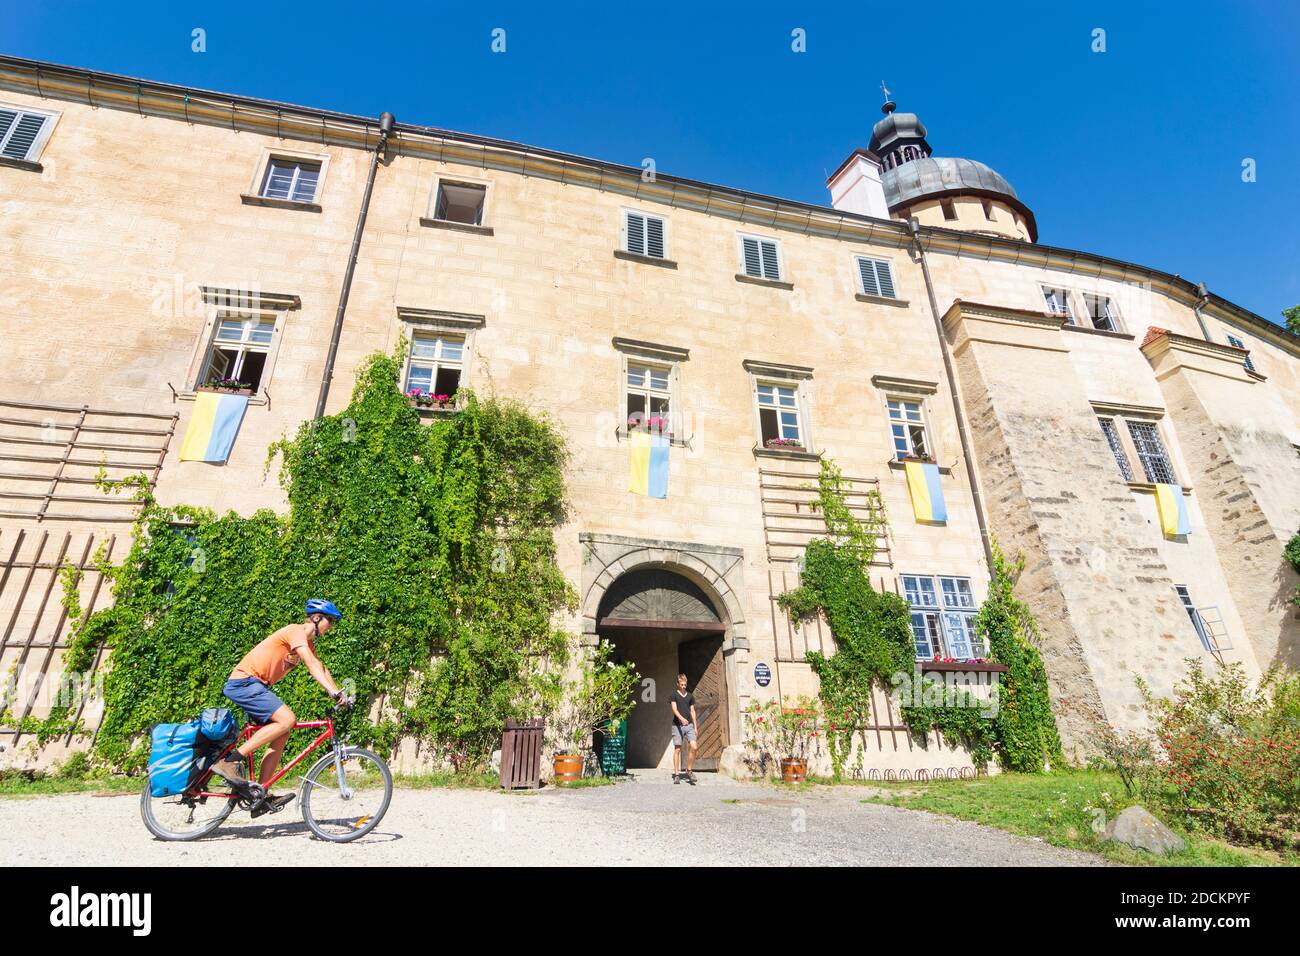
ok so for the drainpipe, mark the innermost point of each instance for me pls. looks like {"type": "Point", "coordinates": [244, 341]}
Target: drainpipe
{"type": "Point", "coordinates": [386, 123]}
{"type": "Point", "coordinates": [915, 227]}
{"type": "Point", "coordinates": [1204, 293]}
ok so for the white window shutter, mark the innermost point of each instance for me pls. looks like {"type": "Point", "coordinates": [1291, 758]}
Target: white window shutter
{"type": "Point", "coordinates": [654, 237]}
{"type": "Point", "coordinates": [885, 277]}
{"type": "Point", "coordinates": [771, 267]}
{"type": "Point", "coordinates": [869, 285]}
{"type": "Point", "coordinates": [18, 132]}
{"type": "Point", "coordinates": [753, 262]}
{"type": "Point", "coordinates": [635, 234]}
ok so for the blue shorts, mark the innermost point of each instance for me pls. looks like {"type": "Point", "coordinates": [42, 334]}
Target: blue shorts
{"type": "Point", "coordinates": [256, 699]}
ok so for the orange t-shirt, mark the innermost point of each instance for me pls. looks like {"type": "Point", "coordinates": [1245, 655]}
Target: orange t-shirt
{"type": "Point", "coordinates": [272, 658]}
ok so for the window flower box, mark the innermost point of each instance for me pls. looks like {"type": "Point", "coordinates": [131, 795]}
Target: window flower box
{"type": "Point", "coordinates": [655, 425]}
{"type": "Point", "coordinates": [981, 665]}
{"type": "Point", "coordinates": [226, 386]}
{"type": "Point", "coordinates": [423, 400]}
{"type": "Point", "coordinates": [783, 444]}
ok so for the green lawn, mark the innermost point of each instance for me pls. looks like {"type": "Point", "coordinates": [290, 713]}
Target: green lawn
{"type": "Point", "coordinates": [14, 783]}
{"type": "Point", "coordinates": [1060, 808]}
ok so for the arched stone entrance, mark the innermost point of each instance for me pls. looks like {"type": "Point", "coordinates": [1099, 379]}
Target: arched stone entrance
{"type": "Point", "coordinates": [669, 607]}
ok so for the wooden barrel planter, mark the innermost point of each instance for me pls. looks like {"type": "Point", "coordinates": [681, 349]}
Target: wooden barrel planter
{"type": "Point", "coordinates": [568, 768]}
{"type": "Point", "coordinates": [793, 770]}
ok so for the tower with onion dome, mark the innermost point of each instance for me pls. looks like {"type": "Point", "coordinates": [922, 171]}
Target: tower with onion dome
{"type": "Point", "coordinates": [939, 191]}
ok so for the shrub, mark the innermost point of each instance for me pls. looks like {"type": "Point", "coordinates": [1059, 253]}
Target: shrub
{"type": "Point", "coordinates": [1231, 756]}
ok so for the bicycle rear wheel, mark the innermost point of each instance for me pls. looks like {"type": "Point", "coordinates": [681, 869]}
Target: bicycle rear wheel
{"type": "Point", "coordinates": [185, 817]}
{"type": "Point", "coordinates": [345, 801]}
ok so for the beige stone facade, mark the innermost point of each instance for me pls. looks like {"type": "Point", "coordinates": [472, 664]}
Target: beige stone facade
{"type": "Point", "coordinates": [141, 199]}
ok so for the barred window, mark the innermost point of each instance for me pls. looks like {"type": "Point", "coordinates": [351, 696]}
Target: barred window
{"type": "Point", "coordinates": [1239, 344]}
{"type": "Point", "coordinates": [1116, 447]}
{"type": "Point", "coordinates": [1151, 452]}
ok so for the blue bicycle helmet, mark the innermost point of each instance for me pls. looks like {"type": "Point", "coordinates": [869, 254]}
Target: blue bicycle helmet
{"type": "Point", "coordinates": [322, 606]}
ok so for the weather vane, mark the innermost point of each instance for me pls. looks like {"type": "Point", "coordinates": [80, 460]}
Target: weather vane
{"type": "Point", "coordinates": [884, 89]}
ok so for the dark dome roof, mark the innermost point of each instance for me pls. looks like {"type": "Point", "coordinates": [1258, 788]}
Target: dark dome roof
{"type": "Point", "coordinates": [936, 176]}
{"type": "Point", "coordinates": [939, 174]}
{"type": "Point", "coordinates": [895, 126]}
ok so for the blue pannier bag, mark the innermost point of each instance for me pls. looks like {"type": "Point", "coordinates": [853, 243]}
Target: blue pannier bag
{"type": "Point", "coordinates": [172, 757]}
{"type": "Point", "coordinates": [180, 752]}
{"type": "Point", "coordinates": [219, 726]}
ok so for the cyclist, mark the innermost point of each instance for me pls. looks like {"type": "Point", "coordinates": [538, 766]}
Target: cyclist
{"type": "Point", "coordinates": [249, 686]}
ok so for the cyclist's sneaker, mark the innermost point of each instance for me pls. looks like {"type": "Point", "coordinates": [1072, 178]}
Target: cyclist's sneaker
{"type": "Point", "coordinates": [234, 767]}
{"type": "Point", "coordinates": [690, 778]}
{"type": "Point", "coordinates": [271, 804]}
{"type": "Point", "coordinates": [677, 778]}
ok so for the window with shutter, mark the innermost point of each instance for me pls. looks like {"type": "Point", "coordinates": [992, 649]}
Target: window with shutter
{"type": "Point", "coordinates": [645, 235]}
{"type": "Point", "coordinates": [19, 132]}
{"type": "Point", "coordinates": [877, 277]}
{"type": "Point", "coordinates": [761, 259]}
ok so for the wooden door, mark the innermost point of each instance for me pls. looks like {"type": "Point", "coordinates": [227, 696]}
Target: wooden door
{"type": "Point", "coordinates": [706, 674]}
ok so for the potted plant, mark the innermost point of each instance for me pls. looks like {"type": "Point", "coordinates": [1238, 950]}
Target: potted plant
{"type": "Point", "coordinates": [796, 734]}
{"type": "Point", "coordinates": [227, 386]}
{"type": "Point", "coordinates": [653, 424]}
{"type": "Point", "coordinates": [419, 398]}
{"type": "Point", "coordinates": [783, 444]}
{"type": "Point", "coordinates": [601, 694]}
{"type": "Point", "coordinates": [422, 399]}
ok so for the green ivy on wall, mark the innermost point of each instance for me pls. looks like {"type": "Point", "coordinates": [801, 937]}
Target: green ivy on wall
{"type": "Point", "coordinates": [436, 541]}
{"type": "Point", "coordinates": [874, 647]}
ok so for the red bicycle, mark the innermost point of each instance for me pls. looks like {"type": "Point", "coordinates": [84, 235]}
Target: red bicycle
{"type": "Point", "coordinates": [343, 796]}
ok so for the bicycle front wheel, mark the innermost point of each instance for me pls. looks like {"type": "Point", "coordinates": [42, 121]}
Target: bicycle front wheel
{"type": "Point", "coordinates": [345, 795]}
{"type": "Point", "coordinates": [185, 817]}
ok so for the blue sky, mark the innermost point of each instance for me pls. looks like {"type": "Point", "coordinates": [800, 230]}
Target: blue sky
{"type": "Point", "coordinates": [1135, 153]}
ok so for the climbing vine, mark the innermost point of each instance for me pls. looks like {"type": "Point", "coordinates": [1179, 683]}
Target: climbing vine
{"type": "Point", "coordinates": [874, 646]}
{"type": "Point", "coordinates": [436, 541]}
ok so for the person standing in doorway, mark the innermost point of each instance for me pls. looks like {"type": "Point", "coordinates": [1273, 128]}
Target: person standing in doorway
{"type": "Point", "coordinates": [683, 706]}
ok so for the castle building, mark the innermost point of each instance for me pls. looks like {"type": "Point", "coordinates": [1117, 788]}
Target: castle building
{"type": "Point", "coordinates": [1131, 433]}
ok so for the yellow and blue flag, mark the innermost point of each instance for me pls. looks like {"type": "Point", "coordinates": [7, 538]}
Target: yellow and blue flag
{"type": "Point", "coordinates": [213, 426]}
{"type": "Point", "coordinates": [1173, 510]}
{"type": "Point", "coordinates": [649, 471]}
{"type": "Point", "coordinates": [927, 492]}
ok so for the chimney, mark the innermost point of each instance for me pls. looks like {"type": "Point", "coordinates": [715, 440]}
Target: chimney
{"type": "Point", "coordinates": [855, 187]}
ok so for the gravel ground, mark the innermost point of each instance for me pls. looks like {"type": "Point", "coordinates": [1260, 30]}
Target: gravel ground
{"type": "Point", "coordinates": [647, 821]}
